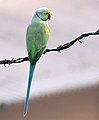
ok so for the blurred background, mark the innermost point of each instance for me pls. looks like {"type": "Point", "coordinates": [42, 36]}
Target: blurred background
{"type": "Point", "coordinates": [65, 85]}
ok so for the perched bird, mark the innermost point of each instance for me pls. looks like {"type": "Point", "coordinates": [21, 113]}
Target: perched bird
{"type": "Point", "coordinates": [37, 36]}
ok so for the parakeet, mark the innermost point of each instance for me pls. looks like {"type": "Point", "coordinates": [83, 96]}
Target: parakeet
{"type": "Point", "coordinates": [37, 36]}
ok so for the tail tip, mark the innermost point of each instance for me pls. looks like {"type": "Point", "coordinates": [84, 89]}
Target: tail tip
{"type": "Point", "coordinates": [24, 114]}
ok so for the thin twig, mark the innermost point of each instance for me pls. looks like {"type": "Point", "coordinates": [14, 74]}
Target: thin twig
{"type": "Point", "coordinates": [69, 44]}
{"type": "Point", "coordinates": [58, 49]}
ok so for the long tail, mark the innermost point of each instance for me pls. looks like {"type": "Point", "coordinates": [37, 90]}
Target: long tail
{"type": "Point", "coordinates": [32, 67]}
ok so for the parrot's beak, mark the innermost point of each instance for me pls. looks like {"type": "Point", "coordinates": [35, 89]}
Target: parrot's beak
{"type": "Point", "coordinates": [49, 16]}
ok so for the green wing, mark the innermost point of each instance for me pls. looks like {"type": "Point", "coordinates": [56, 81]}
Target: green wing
{"type": "Point", "coordinates": [36, 39]}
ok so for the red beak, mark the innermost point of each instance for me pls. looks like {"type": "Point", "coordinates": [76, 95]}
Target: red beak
{"type": "Point", "coordinates": [49, 16]}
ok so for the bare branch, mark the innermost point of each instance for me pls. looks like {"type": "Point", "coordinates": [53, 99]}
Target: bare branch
{"type": "Point", "coordinates": [69, 44]}
{"type": "Point", "coordinates": [58, 49]}
{"type": "Point", "coordinates": [19, 60]}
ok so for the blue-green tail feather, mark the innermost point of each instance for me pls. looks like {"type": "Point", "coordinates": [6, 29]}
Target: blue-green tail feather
{"type": "Point", "coordinates": [31, 71]}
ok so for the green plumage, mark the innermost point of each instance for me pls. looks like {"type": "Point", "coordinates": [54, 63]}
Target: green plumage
{"type": "Point", "coordinates": [37, 36]}
{"type": "Point", "coordinates": [36, 39]}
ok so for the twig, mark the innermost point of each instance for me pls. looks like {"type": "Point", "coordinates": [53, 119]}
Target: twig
{"type": "Point", "coordinates": [19, 60]}
{"type": "Point", "coordinates": [58, 49]}
{"type": "Point", "coordinates": [69, 44]}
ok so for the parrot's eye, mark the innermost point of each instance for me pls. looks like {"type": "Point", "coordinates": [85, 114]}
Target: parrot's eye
{"type": "Point", "coordinates": [45, 13]}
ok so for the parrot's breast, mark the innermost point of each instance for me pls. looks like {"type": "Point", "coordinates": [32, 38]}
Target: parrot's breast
{"type": "Point", "coordinates": [36, 39]}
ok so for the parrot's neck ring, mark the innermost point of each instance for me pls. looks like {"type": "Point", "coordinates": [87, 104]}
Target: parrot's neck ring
{"type": "Point", "coordinates": [40, 17]}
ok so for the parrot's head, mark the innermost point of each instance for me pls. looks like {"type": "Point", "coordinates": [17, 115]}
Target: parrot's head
{"type": "Point", "coordinates": [43, 13]}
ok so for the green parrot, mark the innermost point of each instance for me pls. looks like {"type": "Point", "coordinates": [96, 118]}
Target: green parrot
{"type": "Point", "coordinates": [37, 36]}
